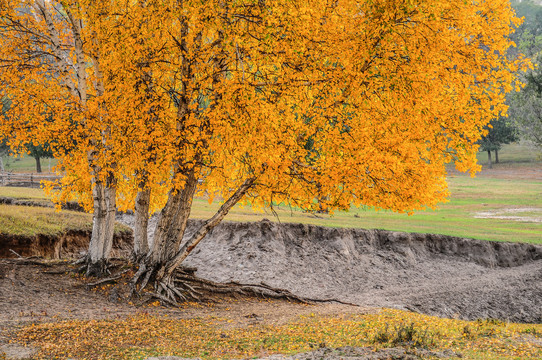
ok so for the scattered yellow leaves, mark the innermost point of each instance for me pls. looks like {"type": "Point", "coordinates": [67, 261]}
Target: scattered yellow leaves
{"type": "Point", "coordinates": [142, 335]}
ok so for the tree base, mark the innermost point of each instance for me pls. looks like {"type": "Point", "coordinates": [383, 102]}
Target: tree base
{"type": "Point", "coordinates": [97, 269]}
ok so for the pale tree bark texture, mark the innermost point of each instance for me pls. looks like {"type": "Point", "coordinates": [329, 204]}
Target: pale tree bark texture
{"type": "Point", "coordinates": [141, 241]}
{"type": "Point", "coordinates": [103, 228]}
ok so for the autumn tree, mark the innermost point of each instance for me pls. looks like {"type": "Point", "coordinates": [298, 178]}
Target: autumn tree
{"type": "Point", "coordinates": [51, 72]}
{"type": "Point", "coordinates": [317, 104]}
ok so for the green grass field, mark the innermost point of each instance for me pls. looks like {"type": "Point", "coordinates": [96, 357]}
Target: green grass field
{"type": "Point", "coordinates": [491, 206]}
{"type": "Point", "coordinates": [516, 153]}
{"type": "Point", "coordinates": [31, 221]}
{"type": "Point", "coordinates": [27, 164]}
{"type": "Point", "coordinates": [461, 216]}
{"type": "Point", "coordinates": [488, 207]}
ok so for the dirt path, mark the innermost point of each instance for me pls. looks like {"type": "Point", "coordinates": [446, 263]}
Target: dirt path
{"type": "Point", "coordinates": [30, 293]}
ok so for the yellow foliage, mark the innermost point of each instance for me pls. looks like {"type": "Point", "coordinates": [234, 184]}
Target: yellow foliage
{"type": "Point", "coordinates": [142, 335]}
{"type": "Point", "coordinates": [324, 103]}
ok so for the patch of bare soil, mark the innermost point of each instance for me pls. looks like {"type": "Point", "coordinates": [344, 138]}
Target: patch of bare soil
{"type": "Point", "coordinates": [66, 245]}
{"type": "Point", "coordinates": [511, 171]}
{"type": "Point", "coordinates": [503, 172]}
{"type": "Point", "coordinates": [40, 291]}
{"type": "Point", "coordinates": [523, 214]}
{"type": "Point", "coordinates": [433, 274]}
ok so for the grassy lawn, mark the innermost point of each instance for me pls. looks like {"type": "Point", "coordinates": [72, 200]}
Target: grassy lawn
{"type": "Point", "coordinates": [513, 153]}
{"type": "Point", "coordinates": [24, 193]}
{"type": "Point", "coordinates": [30, 221]}
{"type": "Point", "coordinates": [462, 216]}
{"type": "Point", "coordinates": [210, 337]}
{"type": "Point", "coordinates": [485, 207]}
{"type": "Point", "coordinates": [27, 164]}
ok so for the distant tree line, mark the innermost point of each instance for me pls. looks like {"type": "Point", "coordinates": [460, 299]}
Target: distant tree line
{"type": "Point", "coordinates": [525, 106]}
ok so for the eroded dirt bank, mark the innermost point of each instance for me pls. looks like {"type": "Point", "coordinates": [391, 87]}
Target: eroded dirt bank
{"type": "Point", "coordinates": [64, 245]}
{"type": "Point", "coordinates": [433, 274]}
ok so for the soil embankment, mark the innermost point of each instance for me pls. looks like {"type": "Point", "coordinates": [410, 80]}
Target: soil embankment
{"type": "Point", "coordinates": [433, 274]}
{"type": "Point", "coordinates": [64, 245]}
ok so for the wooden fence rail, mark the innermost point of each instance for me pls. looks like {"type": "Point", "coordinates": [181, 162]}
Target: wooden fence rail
{"type": "Point", "coordinates": [22, 179]}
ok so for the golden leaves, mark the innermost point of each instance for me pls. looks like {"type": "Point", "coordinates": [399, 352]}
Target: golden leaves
{"type": "Point", "coordinates": [211, 338]}
{"type": "Point", "coordinates": [382, 94]}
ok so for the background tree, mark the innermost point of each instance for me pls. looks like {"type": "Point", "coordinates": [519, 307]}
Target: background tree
{"type": "Point", "coordinates": [526, 106]}
{"type": "Point", "coordinates": [499, 132]}
{"type": "Point", "coordinates": [39, 152]}
{"type": "Point", "coordinates": [223, 98]}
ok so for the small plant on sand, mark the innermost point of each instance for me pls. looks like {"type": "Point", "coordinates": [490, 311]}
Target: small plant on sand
{"type": "Point", "coordinates": [409, 335]}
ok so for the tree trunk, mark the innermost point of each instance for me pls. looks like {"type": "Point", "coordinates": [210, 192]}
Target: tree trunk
{"type": "Point", "coordinates": [210, 224]}
{"type": "Point", "coordinates": [496, 156]}
{"type": "Point", "coordinates": [2, 164]}
{"type": "Point", "coordinates": [141, 242]}
{"type": "Point", "coordinates": [166, 254]}
{"type": "Point", "coordinates": [103, 227]}
{"type": "Point", "coordinates": [490, 164]}
{"type": "Point", "coordinates": [38, 164]}
{"type": "Point", "coordinates": [172, 222]}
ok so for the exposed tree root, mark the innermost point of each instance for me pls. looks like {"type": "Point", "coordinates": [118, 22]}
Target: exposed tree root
{"type": "Point", "coordinates": [16, 254]}
{"type": "Point", "coordinates": [27, 261]}
{"type": "Point", "coordinates": [258, 290]}
{"type": "Point", "coordinates": [99, 269]}
{"type": "Point", "coordinates": [108, 280]}
{"type": "Point", "coordinates": [184, 286]}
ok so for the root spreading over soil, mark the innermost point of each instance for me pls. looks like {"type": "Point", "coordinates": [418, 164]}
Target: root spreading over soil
{"type": "Point", "coordinates": [432, 274]}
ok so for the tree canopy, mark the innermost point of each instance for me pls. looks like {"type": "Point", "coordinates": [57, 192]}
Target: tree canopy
{"type": "Point", "coordinates": [284, 101]}
{"type": "Point", "coordinates": [386, 92]}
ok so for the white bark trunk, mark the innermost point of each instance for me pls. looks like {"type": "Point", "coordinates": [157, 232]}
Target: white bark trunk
{"type": "Point", "coordinates": [141, 241]}
{"type": "Point", "coordinates": [103, 228]}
